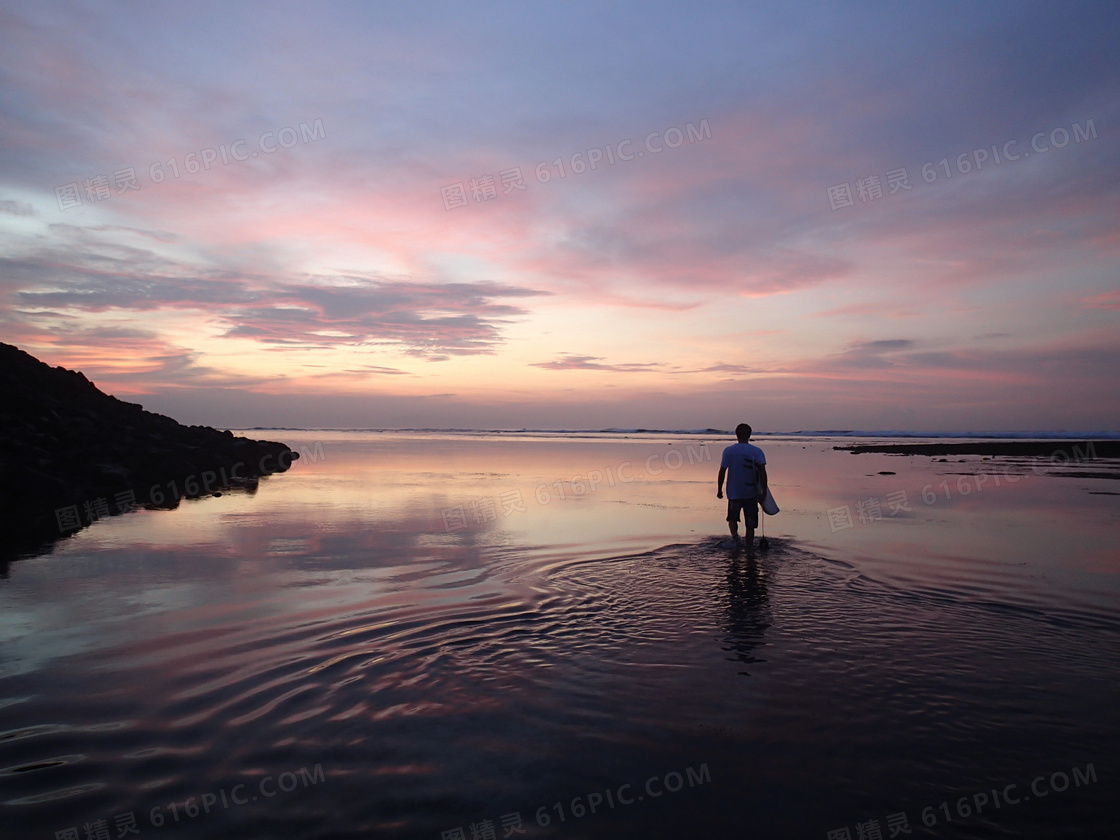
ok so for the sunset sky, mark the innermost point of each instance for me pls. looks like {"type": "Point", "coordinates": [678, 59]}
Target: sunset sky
{"type": "Point", "coordinates": [381, 215]}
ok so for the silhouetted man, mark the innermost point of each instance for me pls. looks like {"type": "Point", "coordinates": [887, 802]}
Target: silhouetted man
{"type": "Point", "coordinates": [744, 465]}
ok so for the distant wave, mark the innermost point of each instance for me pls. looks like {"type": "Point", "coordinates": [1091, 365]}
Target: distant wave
{"type": "Point", "coordinates": [636, 431]}
{"type": "Point", "coordinates": [895, 433]}
{"type": "Point", "coordinates": [854, 433]}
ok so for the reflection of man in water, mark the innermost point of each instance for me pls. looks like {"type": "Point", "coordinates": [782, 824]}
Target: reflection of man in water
{"type": "Point", "coordinates": [745, 467]}
{"type": "Point", "coordinates": [748, 611]}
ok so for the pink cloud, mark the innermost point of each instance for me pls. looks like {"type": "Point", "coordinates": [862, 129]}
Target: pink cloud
{"type": "Point", "coordinates": [1109, 300]}
{"type": "Point", "coordinates": [570, 362]}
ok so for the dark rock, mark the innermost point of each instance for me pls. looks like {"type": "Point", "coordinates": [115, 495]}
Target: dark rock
{"type": "Point", "coordinates": [1055, 449]}
{"type": "Point", "coordinates": [70, 454]}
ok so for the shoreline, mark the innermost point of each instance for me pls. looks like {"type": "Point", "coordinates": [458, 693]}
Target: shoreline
{"type": "Point", "coordinates": [1076, 449]}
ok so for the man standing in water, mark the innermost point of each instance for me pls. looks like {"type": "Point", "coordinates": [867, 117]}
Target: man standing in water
{"type": "Point", "coordinates": [744, 465]}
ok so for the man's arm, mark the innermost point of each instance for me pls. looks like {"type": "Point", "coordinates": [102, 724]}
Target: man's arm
{"type": "Point", "coordinates": [719, 482]}
{"type": "Point", "coordinates": [762, 481]}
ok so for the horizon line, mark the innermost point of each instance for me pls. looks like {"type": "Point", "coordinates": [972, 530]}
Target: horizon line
{"type": "Point", "coordinates": [1016, 434]}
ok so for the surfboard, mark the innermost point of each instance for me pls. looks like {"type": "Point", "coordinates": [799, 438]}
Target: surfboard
{"type": "Point", "coordinates": [769, 506]}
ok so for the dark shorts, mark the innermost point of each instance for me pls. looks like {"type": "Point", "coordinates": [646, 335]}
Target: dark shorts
{"type": "Point", "coordinates": [749, 509]}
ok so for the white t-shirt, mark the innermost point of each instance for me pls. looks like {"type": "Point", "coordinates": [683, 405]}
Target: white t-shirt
{"type": "Point", "coordinates": [741, 459]}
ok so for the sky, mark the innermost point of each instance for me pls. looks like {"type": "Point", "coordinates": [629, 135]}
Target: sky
{"type": "Point", "coordinates": [578, 215]}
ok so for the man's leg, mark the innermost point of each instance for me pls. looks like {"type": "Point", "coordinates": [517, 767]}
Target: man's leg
{"type": "Point", "coordinates": [750, 519]}
{"type": "Point", "coordinates": [733, 519]}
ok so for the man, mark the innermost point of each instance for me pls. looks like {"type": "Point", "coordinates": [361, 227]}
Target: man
{"type": "Point", "coordinates": [744, 465]}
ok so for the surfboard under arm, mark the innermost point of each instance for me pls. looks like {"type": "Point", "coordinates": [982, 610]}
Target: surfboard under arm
{"type": "Point", "coordinates": [769, 506]}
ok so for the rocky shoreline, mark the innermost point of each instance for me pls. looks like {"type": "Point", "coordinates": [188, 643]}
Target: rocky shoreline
{"type": "Point", "coordinates": [71, 454]}
{"type": "Point", "coordinates": [1080, 449]}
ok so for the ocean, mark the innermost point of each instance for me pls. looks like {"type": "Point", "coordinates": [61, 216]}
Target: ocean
{"type": "Point", "coordinates": [453, 636]}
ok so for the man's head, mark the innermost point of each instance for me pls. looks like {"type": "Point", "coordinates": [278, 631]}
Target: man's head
{"type": "Point", "coordinates": [743, 432]}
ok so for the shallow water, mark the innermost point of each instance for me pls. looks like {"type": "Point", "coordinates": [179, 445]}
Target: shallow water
{"type": "Point", "coordinates": [411, 634]}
